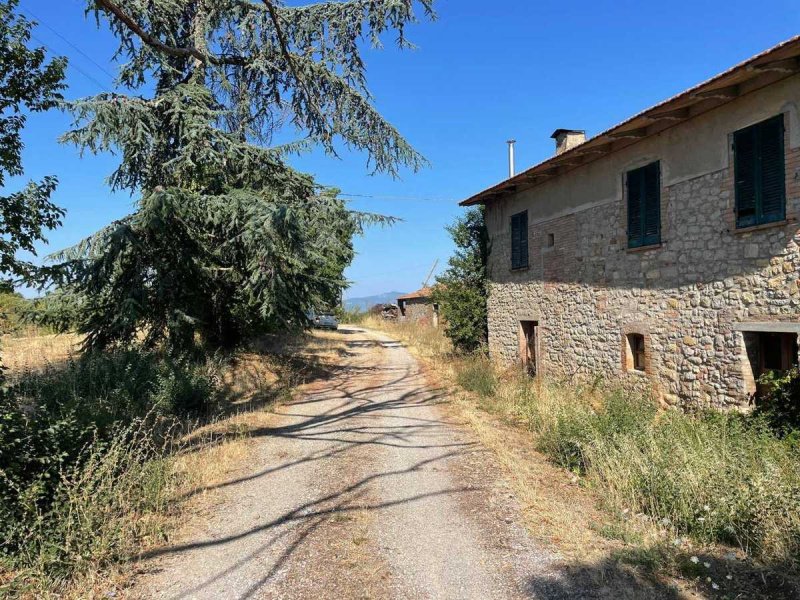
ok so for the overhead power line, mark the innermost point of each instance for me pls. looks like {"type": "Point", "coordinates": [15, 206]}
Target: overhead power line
{"type": "Point", "coordinates": [90, 77]}
{"type": "Point", "coordinates": [103, 87]}
{"type": "Point", "coordinates": [382, 197]}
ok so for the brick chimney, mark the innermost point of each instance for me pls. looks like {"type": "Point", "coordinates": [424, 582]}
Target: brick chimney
{"type": "Point", "coordinates": [568, 138]}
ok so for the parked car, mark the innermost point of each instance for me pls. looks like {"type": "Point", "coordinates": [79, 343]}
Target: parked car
{"type": "Point", "coordinates": [325, 321]}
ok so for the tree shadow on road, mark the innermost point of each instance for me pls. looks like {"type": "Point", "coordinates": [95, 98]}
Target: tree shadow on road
{"type": "Point", "coordinates": [339, 414]}
{"type": "Point", "coordinates": [607, 579]}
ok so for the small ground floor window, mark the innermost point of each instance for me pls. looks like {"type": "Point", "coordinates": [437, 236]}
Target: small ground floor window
{"type": "Point", "coordinates": [769, 351]}
{"type": "Point", "coordinates": [634, 352]}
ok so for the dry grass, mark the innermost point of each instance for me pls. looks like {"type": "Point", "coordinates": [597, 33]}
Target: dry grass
{"type": "Point", "coordinates": [37, 352]}
{"type": "Point", "coordinates": [422, 340]}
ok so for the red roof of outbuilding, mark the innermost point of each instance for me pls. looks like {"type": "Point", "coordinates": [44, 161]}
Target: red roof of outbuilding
{"type": "Point", "coordinates": [425, 292]}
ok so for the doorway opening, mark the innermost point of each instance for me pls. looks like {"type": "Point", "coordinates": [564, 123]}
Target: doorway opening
{"type": "Point", "coordinates": [528, 342]}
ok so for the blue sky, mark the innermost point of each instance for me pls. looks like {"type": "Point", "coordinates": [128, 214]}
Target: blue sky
{"type": "Point", "coordinates": [482, 73]}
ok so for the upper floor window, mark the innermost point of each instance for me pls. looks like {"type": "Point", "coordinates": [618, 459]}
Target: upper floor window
{"type": "Point", "coordinates": [519, 240]}
{"type": "Point", "coordinates": [759, 173]}
{"type": "Point", "coordinates": [644, 206]}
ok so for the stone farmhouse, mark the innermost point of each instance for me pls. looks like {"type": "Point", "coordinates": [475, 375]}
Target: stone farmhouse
{"type": "Point", "coordinates": [663, 252]}
{"type": "Point", "coordinates": [419, 306]}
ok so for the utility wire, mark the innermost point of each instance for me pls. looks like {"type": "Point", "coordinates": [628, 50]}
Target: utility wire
{"type": "Point", "coordinates": [381, 197]}
{"type": "Point", "coordinates": [103, 87]}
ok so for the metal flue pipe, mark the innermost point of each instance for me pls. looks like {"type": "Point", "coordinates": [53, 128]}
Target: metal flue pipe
{"type": "Point", "coordinates": [511, 157]}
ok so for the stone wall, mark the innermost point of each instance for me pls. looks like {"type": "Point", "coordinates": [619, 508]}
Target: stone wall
{"type": "Point", "coordinates": [419, 309]}
{"type": "Point", "coordinates": [586, 289]}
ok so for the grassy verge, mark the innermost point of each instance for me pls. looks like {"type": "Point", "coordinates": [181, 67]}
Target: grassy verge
{"type": "Point", "coordinates": [680, 494]}
{"type": "Point", "coordinates": [100, 456]}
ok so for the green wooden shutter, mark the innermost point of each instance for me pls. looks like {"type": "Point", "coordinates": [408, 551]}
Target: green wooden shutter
{"type": "Point", "coordinates": [651, 228]}
{"type": "Point", "coordinates": [759, 173]}
{"type": "Point", "coordinates": [773, 180]}
{"type": "Point", "coordinates": [523, 239]}
{"type": "Point", "coordinates": [519, 240]}
{"type": "Point", "coordinates": [634, 184]}
{"type": "Point", "coordinates": [744, 148]}
{"type": "Point", "coordinates": [515, 231]}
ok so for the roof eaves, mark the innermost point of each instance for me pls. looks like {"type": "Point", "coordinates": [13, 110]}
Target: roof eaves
{"type": "Point", "coordinates": [781, 60]}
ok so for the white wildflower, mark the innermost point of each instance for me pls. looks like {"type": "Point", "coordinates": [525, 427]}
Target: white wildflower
{"type": "Point", "coordinates": [695, 560]}
{"type": "Point", "coordinates": [707, 565]}
{"type": "Point", "coordinates": [729, 577]}
{"type": "Point", "coordinates": [715, 586]}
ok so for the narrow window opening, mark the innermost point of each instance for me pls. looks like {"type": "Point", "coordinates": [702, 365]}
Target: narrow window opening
{"type": "Point", "coordinates": [528, 340]}
{"type": "Point", "coordinates": [635, 352]}
{"type": "Point", "coordinates": [551, 240]}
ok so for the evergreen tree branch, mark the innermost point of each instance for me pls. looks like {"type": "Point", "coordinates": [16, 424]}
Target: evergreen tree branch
{"type": "Point", "coordinates": [157, 44]}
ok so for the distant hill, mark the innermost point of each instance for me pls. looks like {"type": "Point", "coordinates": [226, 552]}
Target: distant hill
{"type": "Point", "coordinates": [367, 302]}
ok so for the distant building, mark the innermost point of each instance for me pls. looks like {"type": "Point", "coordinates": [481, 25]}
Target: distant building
{"type": "Point", "coordinates": [665, 251]}
{"type": "Point", "coordinates": [419, 306]}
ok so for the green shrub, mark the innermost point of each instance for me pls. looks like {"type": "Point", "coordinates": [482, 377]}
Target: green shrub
{"type": "Point", "coordinates": [462, 289]}
{"type": "Point", "coordinates": [97, 514]}
{"type": "Point", "coordinates": [105, 388]}
{"type": "Point", "coordinates": [34, 447]}
{"type": "Point", "coordinates": [566, 437]}
{"type": "Point", "coordinates": [780, 404]}
{"type": "Point", "coordinates": [56, 424]}
{"type": "Point", "coordinates": [717, 477]}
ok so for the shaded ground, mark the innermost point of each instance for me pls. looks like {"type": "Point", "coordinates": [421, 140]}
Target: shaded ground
{"type": "Point", "coordinates": [363, 488]}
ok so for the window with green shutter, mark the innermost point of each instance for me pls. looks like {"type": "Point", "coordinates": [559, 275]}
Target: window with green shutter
{"type": "Point", "coordinates": [759, 173]}
{"type": "Point", "coordinates": [644, 206]}
{"type": "Point", "coordinates": [519, 240]}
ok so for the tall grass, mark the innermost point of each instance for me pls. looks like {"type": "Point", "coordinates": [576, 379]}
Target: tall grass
{"type": "Point", "coordinates": [98, 452]}
{"type": "Point", "coordinates": [713, 476]}
{"type": "Point", "coordinates": [85, 469]}
{"type": "Point", "coordinates": [104, 509]}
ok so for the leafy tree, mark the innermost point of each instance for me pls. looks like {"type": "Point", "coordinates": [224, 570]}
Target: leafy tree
{"type": "Point", "coordinates": [461, 290]}
{"type": "Point", "coordinates": [227, 239]}
{"type": "Point", "coordinates": [27, 83]}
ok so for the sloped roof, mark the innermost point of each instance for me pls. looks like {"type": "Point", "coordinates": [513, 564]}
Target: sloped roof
{"type": "Point", "coordinates": [756, 72]}
{"type": "Point", "coordinates": [425, 292]}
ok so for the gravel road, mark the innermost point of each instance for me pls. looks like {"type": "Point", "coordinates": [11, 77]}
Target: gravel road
{"type": "Point", "coordinates": [363, 488]}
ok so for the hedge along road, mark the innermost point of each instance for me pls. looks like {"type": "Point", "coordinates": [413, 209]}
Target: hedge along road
{"type": "Point", "coordinates": [365, 488]}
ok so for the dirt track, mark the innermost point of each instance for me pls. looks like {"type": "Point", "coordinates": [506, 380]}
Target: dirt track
{"type": "Point", "coordinates": [364, 488]}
